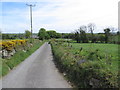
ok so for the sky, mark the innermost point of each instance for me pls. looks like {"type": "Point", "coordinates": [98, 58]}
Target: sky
{"type": "Point", "coordinates": [60, 15]}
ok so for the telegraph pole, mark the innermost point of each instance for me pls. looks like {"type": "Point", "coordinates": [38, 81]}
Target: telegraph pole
{"type": "Point", "coordinates": [30, 5]}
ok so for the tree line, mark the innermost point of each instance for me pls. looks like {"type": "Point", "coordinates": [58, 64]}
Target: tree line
{"type": "Point", "coordinates": [43, 34]}
{"type": "Point", "coordinates": [84, 34]}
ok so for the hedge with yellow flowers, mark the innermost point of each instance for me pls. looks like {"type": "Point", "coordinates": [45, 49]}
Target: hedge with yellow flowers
{"type": "Point", "coordinates": [11, 44]}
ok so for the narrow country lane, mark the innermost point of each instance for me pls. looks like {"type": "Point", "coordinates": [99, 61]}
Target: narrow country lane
{"type": "Point", "coordinates": [37, 71]}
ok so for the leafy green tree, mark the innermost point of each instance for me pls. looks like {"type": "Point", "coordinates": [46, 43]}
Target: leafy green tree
{"type": "Point", "coordinates": [27, 34]}
{"type": "Point", "coordinates": [47, 36]}
{"type": "Point", "coordinates": [83, 36]}
{"type": "Point", "coordinates": [52, 33]}
{"type": "Point", "coordinates": [58, 35]}
{"type": "Point", "coordinates": [71, 35]}
{"type": "Point", "coordinates": [77, 36]}
{"type": "Point", "coordinates": [6, 36]}
{"type": "Point", "coordinates": [101, 37]}
{"type": "Point", "coordinates": [91, 28]}
{"type": "Point", "coordinates": [80, 35]}
{"type": "Point", "coordinates": [107, 33]}
{"type": "Point", "coordinates": [43, 34]}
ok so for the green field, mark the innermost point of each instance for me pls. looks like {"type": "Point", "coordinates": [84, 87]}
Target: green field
{"type": "Point", "coordinates": [100, 62]}
{"type": "Point", "coordinates": [107, 48]}
{"type": "Point", "coordinates": [110, 50]}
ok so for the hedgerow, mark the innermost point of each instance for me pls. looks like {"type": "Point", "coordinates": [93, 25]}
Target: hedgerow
{"type": "Point", "coordinates": [12, 44]}
{"type": "Point", "coordinates": [83, 71]}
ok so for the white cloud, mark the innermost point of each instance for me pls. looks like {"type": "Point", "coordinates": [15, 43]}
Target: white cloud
{"type": "Point", "coordinates": [68, 15]}
{"type": "Point", "coordinates": [71, 13]}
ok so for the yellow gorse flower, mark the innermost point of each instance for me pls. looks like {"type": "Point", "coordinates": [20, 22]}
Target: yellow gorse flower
{"type": "Point", "coordinates": [9, 45]}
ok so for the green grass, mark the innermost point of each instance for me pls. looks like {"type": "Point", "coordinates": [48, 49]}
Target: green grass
{"type": "Point", "coordinates": [18, 57]}
{"type": "Point", "coordinates": [4, 67]}
{"type": "Point", "coordinates": [107, 48]}
{"type": "Point", "coordinates": [104, 49]}
{"type": "Point", "coordinates": [101, 62]}
{"type": "Point", "coordinates": [0, 67]}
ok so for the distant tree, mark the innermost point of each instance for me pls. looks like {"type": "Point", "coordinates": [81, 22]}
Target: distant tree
{"type": "Point", "coordinates": [91, 28]}
{"type": "Point", "coordinates": [118, 32]}
{"type": "Point", "coordinates": [47, 36]}
{"type": "Point", "coordinates": [21, 36]}
{"type": "Point", "coordinates": [101, 37]}
{"type": "Point", "coordinates": [77, 36]}
{"type": "Point", "coordinates": [65, 35]}
{"type": "Point", "coordinates": [80, 35]}
{"type": "Point", "coordinates": [52, 33]}
{"type": "Point", "coordinates": [58, 35]}
{"type": "Point", "coordinates": [3, 36]}
{"type": "Point", "coordinates": [112, 35]}
{"type": "Point", "coordinates": [118, 37]}
{"type": "Point", "coordinates": [71, 36]}
{"type": "Point", "coordinates": [6, 36]}
{"type": "Point", "coordinates": [27, 34]}
{"type": "Point", "coordinates": [83, 36]}
{"type": "Point", "coordinates": [43, 34]}
{"type": "Point", "coordinates": [107, 33]}
{"type": "Point", "coordinates": [13, 36]}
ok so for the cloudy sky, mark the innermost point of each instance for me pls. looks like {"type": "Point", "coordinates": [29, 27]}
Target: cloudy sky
{"type": "Point", "coordinates": [59, 15]}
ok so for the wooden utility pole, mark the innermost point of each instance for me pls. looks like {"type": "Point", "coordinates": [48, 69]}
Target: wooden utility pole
{"type": "Point", "coordinates": [30, 5]}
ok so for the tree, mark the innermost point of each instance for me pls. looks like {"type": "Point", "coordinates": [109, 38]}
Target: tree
{"type": "Point", "coordinates": [58, 35]}
{"type": "Point", "coordinates": [91, 28]}
{"type": "Point", "coordinates": [43, 34]}
{"type": "Point", "coordinates": [83, 36]}
{"type": "Point", "coordinates": [80, 35]}
{"type": "Point", "coordinates": [0, 35]}
{"type": "Point", "coordinates": [112, 35]}
{"type": "Point", "coordinates": [5, 36]}
{"type": "Point", "coordinates": [107, 33]}
{"type": "Point", "coordinates": [77, 36]}
{"type": "Point", "coordinates": [27, 34]}
{"type": "Point", "coordinates": [118, 32]}
{"type": "Point", "coordinates": [101, 37]}
{"type": "Point", "coordinates": [71, 35]}
{"type": "Point", "coordinates": [52, 33]}
{"type": "Point", "coordinates": [47, 36]}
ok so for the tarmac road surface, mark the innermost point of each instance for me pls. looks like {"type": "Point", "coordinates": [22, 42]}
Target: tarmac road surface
{"type": "Point", "coordinates": [37, 71]}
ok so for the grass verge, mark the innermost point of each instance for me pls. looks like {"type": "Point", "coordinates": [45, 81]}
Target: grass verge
{"type": "Point", "coordinates": [18, 57]}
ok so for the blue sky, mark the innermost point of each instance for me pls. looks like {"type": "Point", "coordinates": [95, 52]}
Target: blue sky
{"type": "Point", "coordinates": [59, 15]}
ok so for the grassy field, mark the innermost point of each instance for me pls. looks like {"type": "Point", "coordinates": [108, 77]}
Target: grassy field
{"type": "Point", "coordinates": [83, 62]}
{"type": "Point", "coordinates": [110, 50]}
{"type": "Point", "coordinates": [107, 48]}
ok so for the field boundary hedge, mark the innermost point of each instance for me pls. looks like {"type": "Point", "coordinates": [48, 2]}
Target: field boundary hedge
{"type": "Point", "coordinates": [83, 74]}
